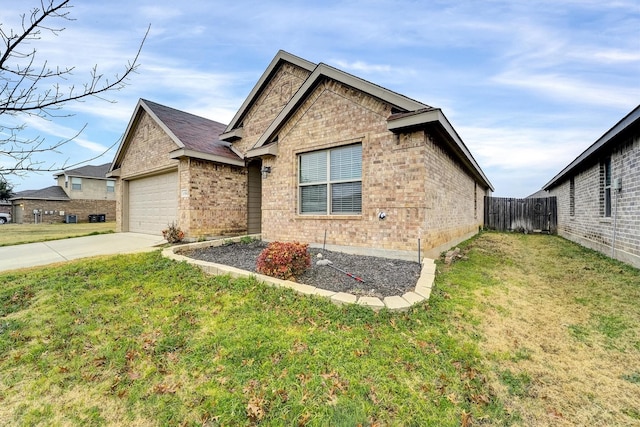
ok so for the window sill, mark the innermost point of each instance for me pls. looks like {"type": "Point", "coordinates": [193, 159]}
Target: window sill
{"type": "Point", "coordinates": [605, 220]}
{"type": "Point", "coordinates": [329, 217]}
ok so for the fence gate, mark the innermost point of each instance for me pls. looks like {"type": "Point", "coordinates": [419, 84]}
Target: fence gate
{"type": "Point", "coordinates": [533, 215]}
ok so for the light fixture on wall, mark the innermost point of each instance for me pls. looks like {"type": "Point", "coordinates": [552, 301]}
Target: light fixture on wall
{"type": "Point", "coordinates": [265, 171]}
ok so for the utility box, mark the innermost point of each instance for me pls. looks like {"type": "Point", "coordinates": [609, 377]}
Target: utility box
{"type": "Point", "coordinates": [617, 184]}
{"type": "Point", "coordinates": [97, 217]}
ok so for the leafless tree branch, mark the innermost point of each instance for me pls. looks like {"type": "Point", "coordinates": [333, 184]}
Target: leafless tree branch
{"type": "Point", "coordinates": [28, 87]}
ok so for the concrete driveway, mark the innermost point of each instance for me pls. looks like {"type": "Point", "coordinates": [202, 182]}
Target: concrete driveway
{"type": "Point", "coordinates": [38, 254]}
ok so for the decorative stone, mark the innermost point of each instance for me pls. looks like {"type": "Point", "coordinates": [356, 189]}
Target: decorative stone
{"type": "Point", "coordinates": [413, 298]}
{"type": "Point", "coordinates": [396, 303]}
{"type": "Point", "coordinates": [344, 298]}
{"type": "Point", "coordinates": [373, 302]}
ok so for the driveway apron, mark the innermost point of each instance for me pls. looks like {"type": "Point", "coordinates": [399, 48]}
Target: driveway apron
{"type": "Point", "coordinates": [38, 254]}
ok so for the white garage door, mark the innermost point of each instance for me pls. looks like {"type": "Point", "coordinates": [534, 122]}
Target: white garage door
{"type": "Point", "coordinates": [153, 203]}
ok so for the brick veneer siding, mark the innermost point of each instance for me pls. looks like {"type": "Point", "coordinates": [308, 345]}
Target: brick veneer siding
{"type": "Point", "coordinates": [280, 89]}
{"type": "Point", "coordinates": [589, 227]}
{"type": "Point", "coordinates": [212, 197]}
{"type": "Point", "coordinates": [423, 191]}
{"type": "Point", "coordinates": [216, 199]}
{"type": "Point", "coordinates": [51, 209]}
{"type": "Point", "coordinates": [147, 152]}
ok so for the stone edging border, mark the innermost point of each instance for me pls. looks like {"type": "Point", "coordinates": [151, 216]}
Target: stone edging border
{"type": "Point", "coordinates": [421, 292]}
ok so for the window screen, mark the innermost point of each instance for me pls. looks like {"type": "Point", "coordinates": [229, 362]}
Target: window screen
{"type": "Point", "coordinates": [330, 181]}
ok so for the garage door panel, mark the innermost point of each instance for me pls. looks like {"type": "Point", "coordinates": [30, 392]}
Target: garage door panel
{"type": "Point", "coordinates": [153, 203]}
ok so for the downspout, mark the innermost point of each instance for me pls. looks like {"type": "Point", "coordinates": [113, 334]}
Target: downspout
{"type": "Point", "coordinates": [617, 188]}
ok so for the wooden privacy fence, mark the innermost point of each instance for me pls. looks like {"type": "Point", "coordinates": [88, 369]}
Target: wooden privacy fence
{"type": "Point", "coordinates": [534, 215]}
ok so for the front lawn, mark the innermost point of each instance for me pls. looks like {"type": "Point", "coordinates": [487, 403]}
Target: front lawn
{"type": "Point", "coordinates": [16, 234]}
{"type": "Point", "coordinates": [141, 340]}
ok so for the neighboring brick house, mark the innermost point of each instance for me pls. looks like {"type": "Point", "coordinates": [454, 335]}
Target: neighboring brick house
{"type": "Point", "coordinates": [314, 155]}
{"type": "Point", "coordinates": [5, 206]}
{"type": "Point", "coordinates": [598, 193]}
{"type": "Point", "coordinates": [172, 168]}
{"type": "Point", "coordinates": [80, 192]}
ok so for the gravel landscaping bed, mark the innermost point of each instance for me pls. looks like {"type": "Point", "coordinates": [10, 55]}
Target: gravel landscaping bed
{"type": "Point", "coordinates": [382, 276]}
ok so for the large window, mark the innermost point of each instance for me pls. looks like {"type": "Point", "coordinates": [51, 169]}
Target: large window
{"type": "Point", "coordinates": [330, 181]}
{"type": "Point", "coordinates": [76, 183]}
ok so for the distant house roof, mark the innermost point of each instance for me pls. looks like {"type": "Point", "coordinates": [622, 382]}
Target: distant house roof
{"type": "Point", "coordinates": [89, 171]}
{"type": "Point", "coordinates": [194, 136]}
{"type": "Point", "coordinates": [604, 144]}
{"type": "Point", "coordinates": [50, 193]}
{"type": "Point", "coordinates": [540, 194]}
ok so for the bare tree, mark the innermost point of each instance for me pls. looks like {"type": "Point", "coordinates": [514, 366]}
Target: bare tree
{"type": "Point", "coordinates": [32, 87]}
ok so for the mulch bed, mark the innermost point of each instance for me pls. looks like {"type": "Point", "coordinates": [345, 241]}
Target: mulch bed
{"type": "Point", "coordinates": [382, 276]}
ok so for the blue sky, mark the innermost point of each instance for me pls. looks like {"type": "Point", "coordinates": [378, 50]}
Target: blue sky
{"type": "Point", "coordinates": [527, 84]}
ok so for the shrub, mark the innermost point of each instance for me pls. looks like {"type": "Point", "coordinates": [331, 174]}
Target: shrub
{"type": "Point", "coordinates": [284, 260]}
{"type": "Point", "coordinates": [172, 233]}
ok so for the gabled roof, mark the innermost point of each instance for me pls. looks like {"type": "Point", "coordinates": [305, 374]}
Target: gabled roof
{"type": "Point", "coordinates": [408, 113]}
{"type": "Point", "coordinates": [603, 144]}
{"type": "Point", "coordinates": [323, 71]}
{"type": "Point", "coordinates": [193, 135]}
{"type": "Point", "coordinates": [280, 57]}
{"type": "Point", "coordinates": [89, 171]}
{"type": "Point", "coordinates": [54, 192]}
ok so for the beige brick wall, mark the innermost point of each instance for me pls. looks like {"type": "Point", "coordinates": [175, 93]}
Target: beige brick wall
{"type": "Point", "coordinates": [212, 197]}
{"type": "Point", "coordinates": [280, 89]}
{"type": "Point", "coordinates": [216, 199]}
{"type": "Point", "coordinates": [423, 191]}
{"type": "Point", "coordinates": [147, 152]}
{"type": "Point", "coordinates": [54, 211]}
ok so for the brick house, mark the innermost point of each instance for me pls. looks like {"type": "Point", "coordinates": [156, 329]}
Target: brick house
{"type": "Point", "coordinates": [5, 206]}
{"type": "Point", "coordinates": [172, 168]}
{"type": "Point", "coordinates": [80, 192]}
{"type": "Point", "coordinates": [315, 155]}
{"type": "Point", "coordinates": [353, 165]}
{"type": "Point", "coordinates": [598, 194]}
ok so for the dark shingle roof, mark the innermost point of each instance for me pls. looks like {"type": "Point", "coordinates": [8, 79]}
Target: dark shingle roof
{"type": "Point", "coordinates": [50, 193]}
{"type": "Point", "coordinates": [603, 144]}
{"type": "Point", "coordinates": [88, 171]}
{"type": "Point", "coordinates": [194, 132]}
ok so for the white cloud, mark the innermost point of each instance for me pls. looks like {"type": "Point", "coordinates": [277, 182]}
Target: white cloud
{"type": "Point", "coordinates": [57, 132]}
{"type": "Point", "coordinates": [571, 90]}
{"type": "Point", "coordinates": [363, 67]}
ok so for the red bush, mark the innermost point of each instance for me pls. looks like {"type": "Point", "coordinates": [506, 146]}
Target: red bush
{"type": "Point", "coordinates": [284, 260]}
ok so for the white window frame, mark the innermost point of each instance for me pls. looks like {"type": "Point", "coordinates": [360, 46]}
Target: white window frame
{"type": "Point", "coordinates": [111, 186]}
{"type": "Point", "coordinates": [76, 183]}
{"type": "Point", "coordinates": [330, 183]}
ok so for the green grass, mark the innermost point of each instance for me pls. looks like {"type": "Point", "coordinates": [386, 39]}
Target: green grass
{"type": "Point", "coordinates": [16, 234]}
{"type": "Point", "coordinates": [158, 342]}
{"type": "Point", "coordinates": [142, 340]}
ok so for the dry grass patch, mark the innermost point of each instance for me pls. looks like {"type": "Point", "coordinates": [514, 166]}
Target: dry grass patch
{"type": "Point", "coordinates": [560, 327]}
{"type": "Point", "coordinates": [15, 234]}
